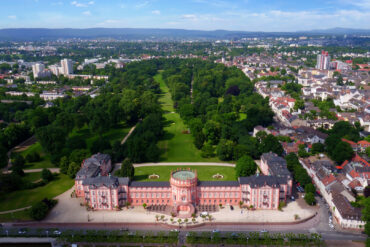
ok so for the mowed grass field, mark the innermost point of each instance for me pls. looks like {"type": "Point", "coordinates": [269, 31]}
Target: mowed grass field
{"type": "Point", "coordinates": [205, 173]}
{"type": "Point", "coordinates": [24, 198]}
{"type": "Point", "coordinates": [176, 146]}
{"type": "Point", "coordinates": [44, 161]}
{"type": "Point", "coordinates": [114, 134]}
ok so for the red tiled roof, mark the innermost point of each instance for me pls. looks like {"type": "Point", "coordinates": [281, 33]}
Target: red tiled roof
{"type": "Point", "coordinates": [350, 142]}
{"type": "Point", "coordinates": [354, 174]}
{"type": "Point", "coordinates": [363, 143]}
{"type": "Point", "coordinates": [355, 183]}
{"type": "Point", "coordinates": [328, 180]}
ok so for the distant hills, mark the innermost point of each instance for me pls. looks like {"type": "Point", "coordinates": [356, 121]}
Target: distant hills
{"type": "Point", "coordinates": [32, 34]}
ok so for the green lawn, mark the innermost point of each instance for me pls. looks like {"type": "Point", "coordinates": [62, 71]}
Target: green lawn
{"type": "Point", "coordinates": [45, 158]}
{"type": "Point", "coordinates": [205, 173]}
{"type": "Point", "coordinates": [176, 146]}
{"type": "Point", "coordinates": [24, 198]}
{"type": "Point", "coordinates": [16, 216]}
{"type": "Point", "coordinates": [114, 134]}
{"type": "Point", "coordinates": [32, 177]}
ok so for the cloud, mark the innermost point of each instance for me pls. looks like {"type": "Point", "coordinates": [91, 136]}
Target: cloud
{"type": "Point", "coordinates": [156, 12]}
{"type": "Point", "coordinates": [142, 4]}
{"type": "Point", "coordinates": [191, 17]}
{"type": "Point", "coordinates": [87, 13]}
{"type": "Point", "coordinates": [365, 4]}
{"type": "Point", "coordinates": [91, 3]}
{"type": "Point", "coordinates": [78, 4]}
{"type": "Point", "coordinates": [57, 3]}
{"type": "Point", "coordinates": [13, 17]}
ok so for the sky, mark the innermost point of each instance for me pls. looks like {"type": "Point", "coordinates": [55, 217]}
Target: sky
{"type": "Point", "coordinates": [242, 15]}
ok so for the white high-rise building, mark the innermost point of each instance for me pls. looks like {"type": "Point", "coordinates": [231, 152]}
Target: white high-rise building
{"type": "Point", "coordinates": [323, 60]}
{"type": "Point", "coordinates": [55, 69]}
{"type": "Point", "coordinates": [38, 70]}
{"type": "Point", "coordinates": [67, 66]}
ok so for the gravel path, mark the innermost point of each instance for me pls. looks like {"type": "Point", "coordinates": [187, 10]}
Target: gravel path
{"type": "Point", "coordinates": [53, 170]}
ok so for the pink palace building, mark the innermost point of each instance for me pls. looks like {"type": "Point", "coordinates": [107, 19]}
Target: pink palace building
{"type": "Point", "coordinates": [184, 194]}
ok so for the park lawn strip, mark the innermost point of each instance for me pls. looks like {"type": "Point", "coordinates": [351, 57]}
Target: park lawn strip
{"type": "Point", "coordinates": [205, 173]}
{"type": "Point", "coordinates": [177, 146]}
{"type": "Point", "coordinates": [23, 215]}
{"type": "Point", "coordinates": [113, 134]}
{"type": "Point", "coordinates": [32, 177]}
{"type": "Point", "coordinates": [25, 198]}
{"type": "Point", "coordinates": [44, 158]}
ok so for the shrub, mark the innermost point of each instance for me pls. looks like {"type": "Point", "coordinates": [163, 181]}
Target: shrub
{"type": "Point", "coordinates": [33, 157]}
{"type": "Point", "coordinates": [40, 210]}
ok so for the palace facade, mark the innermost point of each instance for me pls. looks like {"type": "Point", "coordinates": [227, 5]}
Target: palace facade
{"type": "Point", "coordinates": [183, 192]}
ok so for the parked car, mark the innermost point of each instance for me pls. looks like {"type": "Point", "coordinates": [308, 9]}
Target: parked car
{"type": "Point", "coordinates": [263, 231]}
{"type": "Point", "coordinates": [56, 232]}
{"type": "Point", "coordinates": [174, 230]}
{"type": "Point", "coordinates": [215, 231]}
{"type": "Point", "coordinates": [22, 231]}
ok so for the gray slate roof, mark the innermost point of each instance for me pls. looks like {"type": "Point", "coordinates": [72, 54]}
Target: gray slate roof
{"type": "Point", "coordinates": [219, 183]}
{"type": "Point", "coordinates": [149, 184]}
{"type": "Point", "coordinates": [107, 181]}
{"type": "Point", "coordinates": [258, 181]}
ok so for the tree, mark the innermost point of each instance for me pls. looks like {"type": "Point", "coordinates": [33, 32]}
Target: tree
{"type": "Point", "coordinates": [310, 198]}
{"type": "Point", "coordinates": [73, 169]}
{"type": "Point", "coordinates": [225, 149]}
{"type": "Point", "coordinates": [299, 104]}
{"type": "Point", "coordinates": [271, 143]}
{"type": "Point", "coordinates": [100, 145]}
{"type": "Point", "coordinates": [208, 150]}
{"type": "Point", "coordinates": [46, 175]}
{"type": "Point", "coordinates": [342, 151]}
{"type": "Point", "coordinates": [245, 167]}
{"type": "Point", "coordinates": [367, 191]}
{"type": "Point", "coordinates": [39, 211]}
{"type": "Point", "coordinates": [78, 155]}
{"type": "Point", "coordinates": [127, 169]}
{"type": "Point", "coordinates": [64, 165]}
{"type": "Point", "coordinates": [302, 151]}
{"type": "Point", "coordinates": [367, 151]}
{"type": "Point", "coordinates": [33, 157]}
{"type": "Point", "coordinates": [52, 138]}
{"type": "Point", "coordinates": [3, 156]}
{"type": "Point", "coordinates": [310, 188]}
{"type": "Point", "coordinates": [317, 148]}
{"type": "Point", "coordinates": [366, 215]}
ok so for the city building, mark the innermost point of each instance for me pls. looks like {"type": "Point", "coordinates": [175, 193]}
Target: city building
{"type": "Point", "coordinates": [183, 194]}
{"type": "Point", "coordinates": [323, 60]}
{"type": "Point", "coordinates": [67, 66]}
{"type": "Point", "coordinates": [38, 70]}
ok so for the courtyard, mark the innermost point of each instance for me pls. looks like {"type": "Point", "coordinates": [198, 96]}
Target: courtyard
{"type": "Point", "coordinates": [70, 210]}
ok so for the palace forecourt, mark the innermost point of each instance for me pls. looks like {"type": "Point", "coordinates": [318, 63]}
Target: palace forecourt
{"type": "Point", "coordinates": [183, 194]}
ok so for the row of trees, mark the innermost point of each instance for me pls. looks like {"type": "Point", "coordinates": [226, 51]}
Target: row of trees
{"type": "Point", "coordinates": [301, 176]}
{"type": "Point", "coordinates": [215, 108]}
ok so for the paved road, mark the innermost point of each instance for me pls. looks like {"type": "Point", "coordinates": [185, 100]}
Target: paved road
{"type": "Point", "coordinates": [155, 229]}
